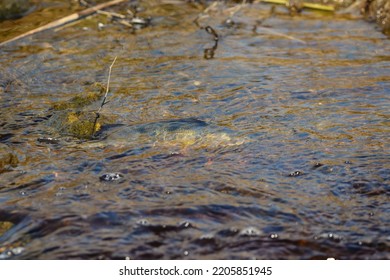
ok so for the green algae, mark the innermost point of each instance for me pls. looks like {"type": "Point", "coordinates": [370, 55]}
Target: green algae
{"type": "Point", "coordinates": [79, 124]}
{"type": "Point", "coordinates": [93, 94]}
{"type": "Point", "coordinates": [5, 226]}
{"type": "Point", "coordinates": [77, 117]}
{"type": "Point", "coordinates": [7, 158]}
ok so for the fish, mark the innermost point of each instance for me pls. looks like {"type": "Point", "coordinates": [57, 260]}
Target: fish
{"type": "Point", "coordinates": [183, 133]}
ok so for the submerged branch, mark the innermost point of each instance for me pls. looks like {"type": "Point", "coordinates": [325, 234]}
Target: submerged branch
{"type": "Point", "coordinates": [210, 52]}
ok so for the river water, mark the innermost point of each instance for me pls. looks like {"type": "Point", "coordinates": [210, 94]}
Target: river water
{"type": "Point", "coordinates": [292, 117]}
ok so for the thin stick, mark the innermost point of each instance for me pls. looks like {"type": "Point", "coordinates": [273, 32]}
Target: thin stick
{"type": "Point", "coordinates": [108, 86]}
{"type": "Point", "coordinates": [65, 20]}
{"type": "Point", "coordinates": [103, 101]}
{"type": "Point", "coordinates": [111, 14]}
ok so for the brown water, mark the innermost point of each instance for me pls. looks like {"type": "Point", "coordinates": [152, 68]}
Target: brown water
{"type": "Point", "coordinates": [303, 101]}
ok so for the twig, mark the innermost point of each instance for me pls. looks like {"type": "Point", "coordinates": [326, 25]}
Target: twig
{"type": "Point", "coordinates": [108, 86]}
{"type": "Point", "coordinates": [118, 17]}
{"type": "Point", "coordinates": [111, 14]}
{"type": "Point", "coordinates": [104, 99]}
{"type": "Point", "coordinates": [65, 20]}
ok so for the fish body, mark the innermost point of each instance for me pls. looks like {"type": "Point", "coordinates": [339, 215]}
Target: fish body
{"type": "Point", "coordinates": [89, 131]}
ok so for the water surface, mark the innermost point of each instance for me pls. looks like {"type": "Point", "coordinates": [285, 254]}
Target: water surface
{"type": "Point", "coordinates": [309, 94]}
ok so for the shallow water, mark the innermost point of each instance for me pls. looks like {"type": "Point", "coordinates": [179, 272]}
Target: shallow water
{"type": "Point", "coordinates": [309, 93]}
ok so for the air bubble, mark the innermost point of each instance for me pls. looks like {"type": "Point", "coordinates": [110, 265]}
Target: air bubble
{"type": "Point", "coordinates": [317, 164]}
{"type": "Point", "coordinates": [295, 173]}
{"type": "Point", "coordinates": [207, 236]}
{"type": "Point", "coordinates": [274, 236]}
{"type": "Point", "coordinates": [111, 177]}
{"type": "Point", "coordinates": [250, 231]}
{"type": "Point", "coordinates": [185, 224]}
{"type": "Point", "coordinates": [143, 222]}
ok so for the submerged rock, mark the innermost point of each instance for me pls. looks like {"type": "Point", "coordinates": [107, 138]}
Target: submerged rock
{"type": "Point", "coordinates": [78, 116]}
{"type": "Point", "coordinates": [13, 8]}
{"type": "Point", "coordinates": [78, 124]}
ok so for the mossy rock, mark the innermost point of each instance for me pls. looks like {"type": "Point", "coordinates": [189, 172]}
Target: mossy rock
{"type": "Point", "coordinates": [93, 93]}
{"type": "Point", "coordinates": [79, 124]}
{"type": "Point", "coordinates": [79, 101]}
{"type": "Point", "coordinates": [78, 116]}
